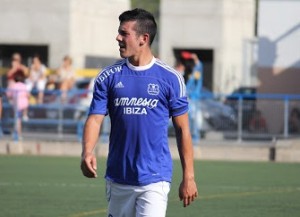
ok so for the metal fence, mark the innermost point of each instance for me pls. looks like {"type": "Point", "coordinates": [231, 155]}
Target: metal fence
{"type": "Point", "coordinates": [219, 117]}
{"type": "Point", "coordinates": [57, 115]}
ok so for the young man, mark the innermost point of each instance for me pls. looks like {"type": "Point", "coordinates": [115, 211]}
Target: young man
{"type": "Point", "coordinates": [139, 93]}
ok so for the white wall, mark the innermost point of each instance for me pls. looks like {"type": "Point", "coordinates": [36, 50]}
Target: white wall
{"type": "Point", "coordinates": [221, 25]}
{"type": "Point", "coordinates": [279, 32]}
{"type": "Point", "coordinates": [94, 27]}
{"type": "Point", "coordinates": [74, 27]}
{"type": "Point", "coordinates": [36, 22]}
{"type": "Point", "coordinates": [237, 27]}
{"type": "Point", "coordinates": [188, 24]}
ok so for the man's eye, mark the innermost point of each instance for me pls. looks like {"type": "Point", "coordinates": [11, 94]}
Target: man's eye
{"type": "Point", "coordinates": [123, 33]}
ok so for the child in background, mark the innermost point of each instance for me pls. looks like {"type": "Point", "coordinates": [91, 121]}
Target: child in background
{"type": "Point", "coordinates": [19, 96]}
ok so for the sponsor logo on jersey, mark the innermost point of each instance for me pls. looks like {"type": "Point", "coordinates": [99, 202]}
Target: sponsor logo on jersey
{"type": "Point", "coordinates": [126, 101]}
{"type": "Point", "coordinates": [135, 106]}
{"type": "Point", "coordinates": [134, 111]}
{"type": "Point", "coordinates": [153, 89]}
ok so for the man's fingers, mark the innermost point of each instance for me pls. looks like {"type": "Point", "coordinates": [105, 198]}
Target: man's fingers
{"type": "Point", "coordinates": [85, 170]}
{"type": "Point", "coordinates": [187, 193]}
{"type": "Point", "coordinates": [94, 165]}
{"type": "Point", "coordinates": [89, 167]}
{"type": "Point", "coordinates": [186, 201]}
{"type": "Point", "coordinates": [192, 198]}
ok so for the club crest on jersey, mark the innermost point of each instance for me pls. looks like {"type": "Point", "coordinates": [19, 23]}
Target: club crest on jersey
{"type": "Point", "coordinates": [153, 89]}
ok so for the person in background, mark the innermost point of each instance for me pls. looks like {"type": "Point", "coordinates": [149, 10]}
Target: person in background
{"type": "Point", "coordinates": [16, 67]}
{"type": "Point", "coordinates": [179, 66]}
{"type": "Point", "coordinates": [19, 96]}
{"type": "Point", "coordinates": [194, 87]}
{"type": "Point", "coordinates": [37, 78]}
{"type": "Point", "coordinates": [258, 123]}
{"type": "Point", "coordinates": [294, 121]}
{"type": "Point", "coordinates": [66, 77]}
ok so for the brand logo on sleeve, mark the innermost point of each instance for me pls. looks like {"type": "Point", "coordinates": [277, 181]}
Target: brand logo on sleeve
{"type": "Point", "coordinates": [106, 73]}
{"type": "Point", "coordinates": [153, 89]}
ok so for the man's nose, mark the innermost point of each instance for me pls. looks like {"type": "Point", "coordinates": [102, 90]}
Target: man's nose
{"type": "Point", "coordinates": [118, 38]}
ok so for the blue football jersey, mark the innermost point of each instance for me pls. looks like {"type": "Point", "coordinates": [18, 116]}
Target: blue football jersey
{"type": "Point", "coordinates": [139, 100]}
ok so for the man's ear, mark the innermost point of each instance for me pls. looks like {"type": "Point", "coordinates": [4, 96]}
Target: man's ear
{"type": "Point", "coordinates": [144, 39]}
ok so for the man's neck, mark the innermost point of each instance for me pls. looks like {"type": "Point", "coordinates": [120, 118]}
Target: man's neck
{"type": "Point", "coordinates": [142, 59]}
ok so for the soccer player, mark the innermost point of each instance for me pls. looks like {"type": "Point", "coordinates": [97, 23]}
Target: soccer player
{"type": "Point", "coordinates": [140, 93]}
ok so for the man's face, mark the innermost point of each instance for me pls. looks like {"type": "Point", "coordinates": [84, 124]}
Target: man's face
{"type": "Point", "coordinates": [129, 41]}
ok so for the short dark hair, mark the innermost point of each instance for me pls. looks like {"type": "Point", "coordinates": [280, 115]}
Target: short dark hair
{"type": "Point", "coordinates": [145, 22]}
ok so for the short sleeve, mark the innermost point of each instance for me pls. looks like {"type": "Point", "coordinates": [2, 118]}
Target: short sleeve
{"type": "Point", "coordinates": [178, 106]}
{"type": "Point", "coordinates": [178, 103]}
{"type": "Point", "coordinates": [100, 98]}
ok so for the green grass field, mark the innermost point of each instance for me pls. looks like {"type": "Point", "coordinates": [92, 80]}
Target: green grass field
{"type": "Point", "coordinates": [54, 187]}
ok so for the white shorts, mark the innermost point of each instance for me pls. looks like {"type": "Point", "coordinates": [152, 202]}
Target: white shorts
{"type": "Point", "coordinates": [137, 201]}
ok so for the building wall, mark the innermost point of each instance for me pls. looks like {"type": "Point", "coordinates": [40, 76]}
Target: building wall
{"type": "Point", "coordinates": [31, 22]}
{"type": "Point", "coordinates": [237, 27]}
{"type": "Point", "coordinates": [75, 27]}
{"type": "Point", "coordinates": [221, 25]}
{"type": "Point", "coordinates": [278, 56]}
{"type": "Point", "coordinates": [94, 27]}
{"type": "Point", "coordinates": [279, 46]}
{"type": "Point", "coordinates": [279, 33]}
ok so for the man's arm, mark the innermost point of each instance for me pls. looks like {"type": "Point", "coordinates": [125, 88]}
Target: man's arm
{"type": "Point", "coordinates": [0, 108]}
{"type": "Point", "coordinates": [0, 104]}
{"type": "Point", "coordinates": [90, 138]}
{"type": "Point", "coordinates": [188, 188]}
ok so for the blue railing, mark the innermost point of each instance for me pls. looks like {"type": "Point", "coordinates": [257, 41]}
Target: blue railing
{"type": "Point", "coordinates": [231, 115]}
{"type": "Point", "coordinates": [56, 114]}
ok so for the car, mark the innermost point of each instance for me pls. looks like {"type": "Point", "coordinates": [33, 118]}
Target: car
{"type": "Point", "coordinates": [212, 115]}
{"type": "Point", "coordinates": [248, 96]}
{"type": "Point", "coordinates": [219, 117]}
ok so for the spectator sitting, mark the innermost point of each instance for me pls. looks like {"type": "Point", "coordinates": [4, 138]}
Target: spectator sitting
{"type": "Point", "coordinates": [37, 78]}
{"type": "Point", "coordinates": [257, 123]}
{"type": "Point", "coordinates": [294, 121]}
{"type": "Point", "coordinates": [19, 96]}
{"type": "Point", "coordinates": [16, 67]}
{"type": "Point", "coordinates": [66, 76]}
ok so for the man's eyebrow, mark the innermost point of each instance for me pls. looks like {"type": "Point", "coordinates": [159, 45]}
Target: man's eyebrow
{"type": "Point", "coordinates": [121, 31]}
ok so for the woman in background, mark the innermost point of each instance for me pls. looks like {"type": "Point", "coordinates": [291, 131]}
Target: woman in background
{"type": "Point", "coordinates": [66, 77]}
{"type": "Point", "coordinates": [37, 78]}
{"type": "Point", "coordinates": [16, 67]}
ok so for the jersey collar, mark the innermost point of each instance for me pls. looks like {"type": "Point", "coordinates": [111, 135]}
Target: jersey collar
{"type": "Point", "coordinates": [140, 68]}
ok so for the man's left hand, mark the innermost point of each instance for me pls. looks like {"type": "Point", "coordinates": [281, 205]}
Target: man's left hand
{"type": "Point", "coordinates": [188, 191]}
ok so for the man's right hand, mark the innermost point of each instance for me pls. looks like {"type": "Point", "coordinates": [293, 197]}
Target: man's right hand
{"type": "Point", "coordinates": [89, 165]}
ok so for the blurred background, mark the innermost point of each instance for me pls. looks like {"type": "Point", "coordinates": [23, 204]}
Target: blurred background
{"type": "Point", "coordinates": [249, 51]}
{"type": "Point", "coordinates": [241, 63]}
